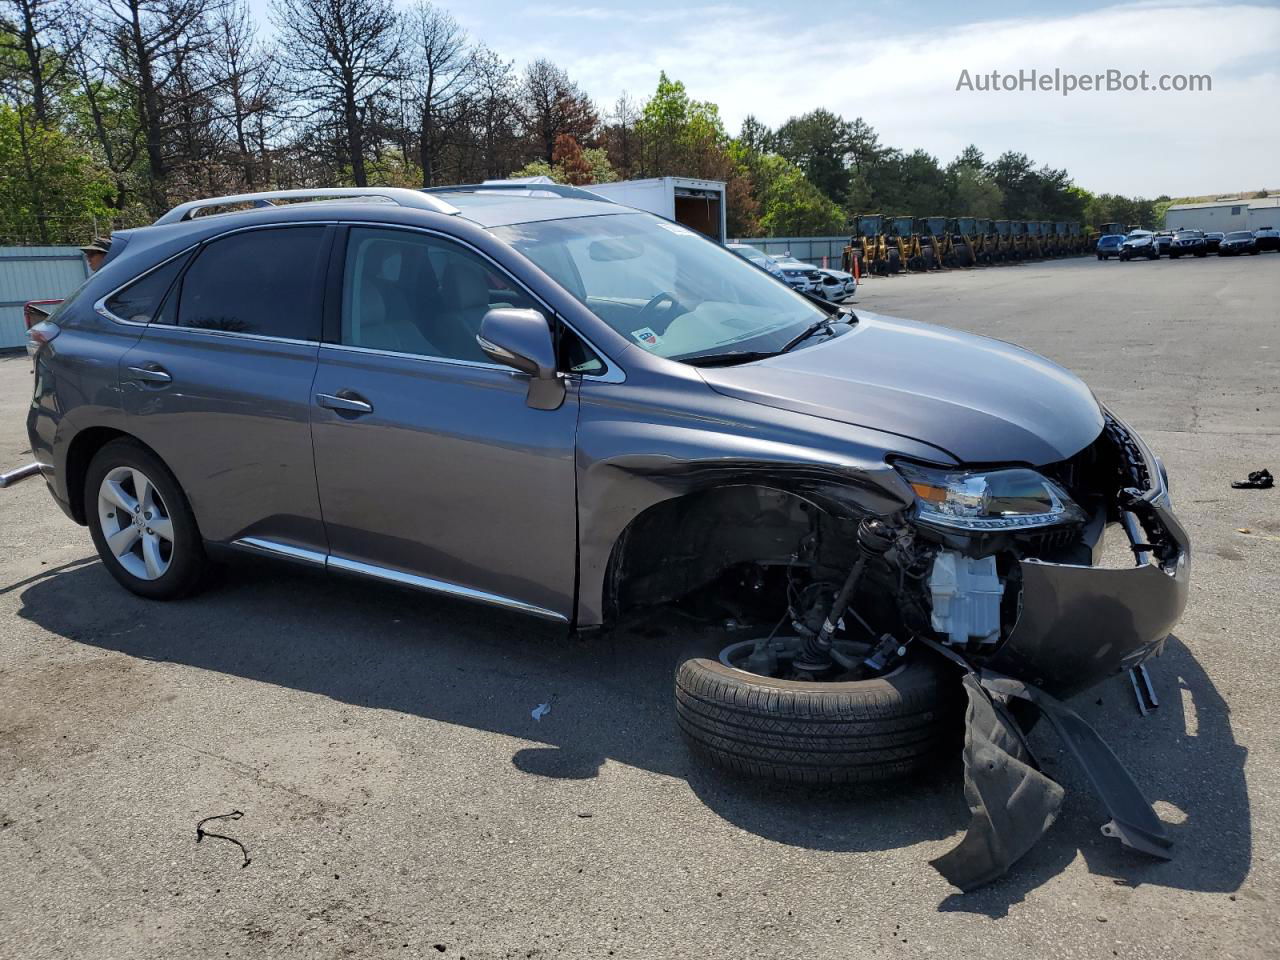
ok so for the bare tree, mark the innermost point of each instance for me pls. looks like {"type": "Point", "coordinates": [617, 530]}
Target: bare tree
{"type": "Point", "coordinates": [110, 121]}
{"type": "Point", "coordinates": [620, 137]}
{"type": "Point", "coordinates": [198, 143]}
{"type": "Point", "coordinates": [439, 74]}
{"type": "Point", "coordinates": [553, 104]}
{"type": "Point", "coordinates": [147, 42]}
{"type": "Point", "coordinates": [494, 116]}
{"type": "Point", "coordinates": [343, 56]}
{"type": "Point", "coordinates": [248, 83]}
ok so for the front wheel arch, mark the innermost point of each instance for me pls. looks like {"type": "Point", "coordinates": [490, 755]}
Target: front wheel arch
{"type": "Point", "coordinates": [680, 544]}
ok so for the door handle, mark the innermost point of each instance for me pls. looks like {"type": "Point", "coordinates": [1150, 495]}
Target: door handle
{"type": "Point", "coordinates": [151, 373]}
{"type": "Point", "coordinates": [345, 401]}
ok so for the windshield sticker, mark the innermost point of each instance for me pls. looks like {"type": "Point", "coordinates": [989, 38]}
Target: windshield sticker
{"type": "Point", "coordinates": [646, 336]}
{"type": "Point", "coordinates": [676, 229]}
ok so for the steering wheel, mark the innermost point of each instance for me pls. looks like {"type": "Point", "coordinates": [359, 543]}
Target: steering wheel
{"type": "Point", "coordinates": [654, 309]}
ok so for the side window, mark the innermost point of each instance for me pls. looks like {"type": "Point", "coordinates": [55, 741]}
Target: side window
{"type": "Point", "coordinates": [262, 282]}
{"type": "Point", "coordinates": [408, 292]}
{"type": "Point", "coordinates": [141, 300]}
{"type": "Point", "coordinates": [575, 356]}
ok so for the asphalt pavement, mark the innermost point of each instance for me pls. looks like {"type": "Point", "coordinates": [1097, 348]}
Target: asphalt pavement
{"type": "Point", "coordinates": [399, 799]}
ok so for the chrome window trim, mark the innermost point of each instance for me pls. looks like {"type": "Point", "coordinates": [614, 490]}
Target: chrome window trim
{"type": "Point", "coordinates": [613, 371]}
{"type": "Point", "coordinates": [229, 334]}
{"type": "Point", "coordinates": [100, 305]}
{"type": "Point", "coordinates": [451, 361]}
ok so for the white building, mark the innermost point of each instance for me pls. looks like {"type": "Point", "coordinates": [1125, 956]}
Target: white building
{"type": "Point", "coordinates": [1264, 213]}
{"type": "Point", "coordinates": [1225, 215]}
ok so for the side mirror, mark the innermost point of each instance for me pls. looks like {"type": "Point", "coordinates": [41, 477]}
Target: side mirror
{"type": "Point", "coordinates": [522, 339]}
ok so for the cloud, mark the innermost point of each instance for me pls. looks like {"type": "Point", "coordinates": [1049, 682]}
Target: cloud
{"type": "Point", "coordinates": [776, 64]}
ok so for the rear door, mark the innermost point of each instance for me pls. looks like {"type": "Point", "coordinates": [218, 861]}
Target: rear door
{"type": "Point", "coordinates": [433, 469]}
{"type": "Point", "coordinates": [219, 384]}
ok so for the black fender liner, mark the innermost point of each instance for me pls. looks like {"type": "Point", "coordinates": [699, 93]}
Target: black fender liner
{"type": "Point", "coordinates": [1012, 802]}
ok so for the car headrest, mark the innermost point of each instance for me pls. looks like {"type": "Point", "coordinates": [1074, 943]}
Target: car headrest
{"type": "Point", "coordinates": [465, 286]}
{"type": "Point", "coordinates": [382, 260]}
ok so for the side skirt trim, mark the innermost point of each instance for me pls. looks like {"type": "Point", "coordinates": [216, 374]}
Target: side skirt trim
{"type": "Point", "coordinates": [317, 559]}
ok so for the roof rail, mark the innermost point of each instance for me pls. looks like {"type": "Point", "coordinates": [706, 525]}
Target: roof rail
{"type": "Point", "coordinates": [559, 189]}
{"type": "Point", "coordinates": [402, 196]}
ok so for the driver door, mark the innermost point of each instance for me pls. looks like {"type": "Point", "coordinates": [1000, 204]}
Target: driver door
{"type": "Point", "coordinates": [432, 468]}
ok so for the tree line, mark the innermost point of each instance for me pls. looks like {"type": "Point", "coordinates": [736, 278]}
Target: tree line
{"type": "Point", "coordinates": [112, 111]}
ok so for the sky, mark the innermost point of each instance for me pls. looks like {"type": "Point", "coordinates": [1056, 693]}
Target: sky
{"type": "Point", "coordinates": [897, 65]}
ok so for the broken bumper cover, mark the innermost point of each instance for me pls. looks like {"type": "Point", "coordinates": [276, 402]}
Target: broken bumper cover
{"type": "Point", "coordinates": [1078, 625]}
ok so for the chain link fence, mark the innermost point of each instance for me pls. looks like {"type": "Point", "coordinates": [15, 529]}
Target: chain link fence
{"type": "Point", "coordinates": [57, 231]}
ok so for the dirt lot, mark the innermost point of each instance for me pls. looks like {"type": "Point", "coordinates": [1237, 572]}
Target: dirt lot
{"type": "Point", "coordinates": [400, 801]}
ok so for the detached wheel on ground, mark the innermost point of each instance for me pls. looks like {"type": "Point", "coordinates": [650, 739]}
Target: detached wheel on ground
{"type": "Point", "coordinates": [141, 522]}
{"type": "Point", "coordinates": [819, 732]}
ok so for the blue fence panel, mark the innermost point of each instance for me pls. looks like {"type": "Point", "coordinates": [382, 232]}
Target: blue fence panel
{"type": "Point", "coordinates": [34, 273]}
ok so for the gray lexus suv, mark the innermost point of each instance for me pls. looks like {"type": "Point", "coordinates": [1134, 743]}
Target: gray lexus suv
{"type": "Point", "coordinates": [540, 400]}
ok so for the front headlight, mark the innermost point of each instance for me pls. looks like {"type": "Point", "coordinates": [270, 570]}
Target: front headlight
{"type": "Point", "coordinates": [988, 500]}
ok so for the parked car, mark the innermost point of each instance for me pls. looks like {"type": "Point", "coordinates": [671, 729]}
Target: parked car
{"type": "Point", "coordinates": [1109, 246]}
{"type": "Point", "coordinates": [800, 276]}
{"type": "Point", "coordinates": [1237, 242]}
{"type": "Point", "coordinates": [1268, 238]}
{"type": "Point", "coordinates": [560, 406]}
{"type": "Point", "coordinates": [1164, 240]}
{"type": "Point", "coordinates": [837, 286]}
{"type": "Point", "coordinates": [1188, 242]}
{"type": "Point", "coordinates": [1139, 243]}
{"type": "Point", "coordinates": [758, 257]}
{"type": "Point", "coordinates": [1212, 239]}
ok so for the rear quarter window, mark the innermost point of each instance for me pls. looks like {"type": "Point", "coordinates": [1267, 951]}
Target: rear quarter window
{"type": "Point", "coordinates": [141, 301]}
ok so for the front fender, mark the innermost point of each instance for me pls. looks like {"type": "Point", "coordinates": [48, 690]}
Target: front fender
{"type": "Point", "coordinates": [638, 447]}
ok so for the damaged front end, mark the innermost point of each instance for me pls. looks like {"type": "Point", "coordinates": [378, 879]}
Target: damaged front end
{"type": "Point", "coordinates": [1030, 616]}
{"type": "Point", "coordinates": [1006, 572]}
{"type": "Point", "coordinates": [1030, 599]}
{"type": "Point", "coordinates": [863, 581]}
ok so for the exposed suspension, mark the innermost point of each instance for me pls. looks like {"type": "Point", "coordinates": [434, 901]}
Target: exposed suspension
{"type": "Point", "coordinates": [875, 539]}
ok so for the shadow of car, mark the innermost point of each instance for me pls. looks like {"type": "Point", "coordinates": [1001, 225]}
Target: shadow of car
{"type": "Point", "coordinates": [444, 661]}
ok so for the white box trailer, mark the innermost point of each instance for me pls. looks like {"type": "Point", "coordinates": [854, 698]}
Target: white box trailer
{"type": "Point", "coordinates": [697, 204]}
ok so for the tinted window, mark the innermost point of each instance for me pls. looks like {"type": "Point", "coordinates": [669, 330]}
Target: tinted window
{"type": "Point", "coordinates": [263, 282]}
{"type": "Point", "coordinates": [140, 301]}
{"type": "Point", "coordinates": [409, 292]}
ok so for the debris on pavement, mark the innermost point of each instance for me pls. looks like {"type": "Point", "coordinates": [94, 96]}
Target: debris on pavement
{"type": "Point", "coordinates": [201, 832]}
{"type": "Point", "coordinates": [540, 711]}
{"type": "Point", "coordinates": [1258, 480]}
{"type": "Point", "coordinates": [1012, 802]}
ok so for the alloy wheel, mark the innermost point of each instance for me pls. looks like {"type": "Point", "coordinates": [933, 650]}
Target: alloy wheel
{"type": "Point", "coordinates": [135, 523]}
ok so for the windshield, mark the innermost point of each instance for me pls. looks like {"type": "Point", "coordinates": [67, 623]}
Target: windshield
{"type": "Point", "coordinates": [1240, 235]}
{"type": "Point", "coordinates": [664, 287]}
